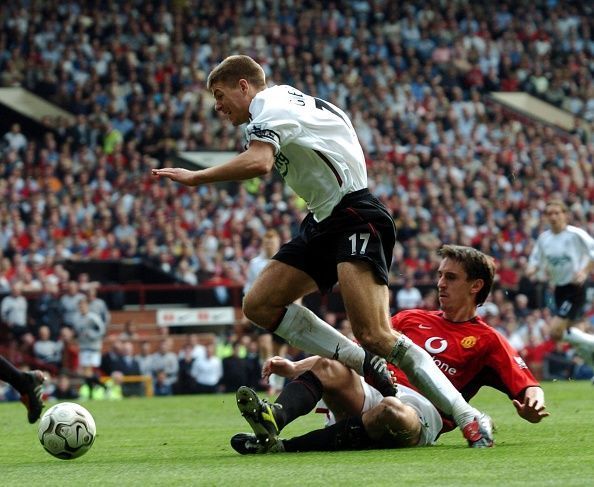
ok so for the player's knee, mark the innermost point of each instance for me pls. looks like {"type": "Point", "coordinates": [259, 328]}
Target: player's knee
{"type": "Point", "coordinates": [252, 308]}
{"type": "Point", "coordinates": [370, 340]}
{"type": "Point", "coordinates": [328, 370]}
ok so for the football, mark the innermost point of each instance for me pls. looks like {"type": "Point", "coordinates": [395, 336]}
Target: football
{"type": "Point", "coordinates": [67, 430]}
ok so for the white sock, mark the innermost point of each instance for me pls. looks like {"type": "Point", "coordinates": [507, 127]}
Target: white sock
{"type": "Point", "coordinates": [575, 336]}
{"type": "Point", "coordinates": [301, 328]}
{"type": "Point", "coordinates": [422, 372]}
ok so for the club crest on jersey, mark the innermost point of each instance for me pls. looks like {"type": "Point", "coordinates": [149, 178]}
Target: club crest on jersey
{"type": "Point", "coordinates": [468, 342]}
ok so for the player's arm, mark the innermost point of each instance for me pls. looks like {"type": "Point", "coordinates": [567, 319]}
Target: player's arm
{"type": "Point", "coordinates": [286, 368]}
{"type": "Point", "coordinates": [532, 267]}
{"type": "Point", "coordinates": [535, 260]}
{"type": "Point", "coordinates": [582, 275]}
{"type": "Point", "coordinates": [256, 161]}
{"type": "Point", "coordinates": [532, 408]}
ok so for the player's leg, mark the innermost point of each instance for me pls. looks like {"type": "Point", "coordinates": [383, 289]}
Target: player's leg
{"type": "Point", "coordinates": [327, 379]}
{"type": "Point", "coordinates": [388, 423]}
{"type": "Point", "coordinates": [270, 304]}
{"type": "Point", "coordinates": [28, 385]}
{"type": "Point", "coordinates": [340, 387]}
{"type": "Point", "coordinates": [344, 392]}
{"type": "Point", "coordinates": [365, 299]}
{"type": "Point", "coordinates": [570, 301]}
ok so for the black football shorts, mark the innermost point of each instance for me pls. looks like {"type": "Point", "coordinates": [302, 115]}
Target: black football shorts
{"type": "Point", "coordinates": [569, 301]}
{"type": "Point", "coordinates": [359, 228]}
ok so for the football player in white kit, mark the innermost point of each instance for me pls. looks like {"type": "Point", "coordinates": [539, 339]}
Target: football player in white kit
{"type": "Point", "coordinates": [566, 255]}
{"type": "Point", "coordinates": [347, 237]}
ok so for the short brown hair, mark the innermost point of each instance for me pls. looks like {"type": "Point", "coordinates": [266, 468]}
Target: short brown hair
{"type": "Point", "coordinates": [476, 264]}
{"type": "Point", "coordinates": [560, 204]}
{"type": "Point", "coordinates": [233, 68]}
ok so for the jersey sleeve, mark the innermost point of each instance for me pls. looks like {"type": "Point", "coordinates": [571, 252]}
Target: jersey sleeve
{"type": "Point", "coordinates": [588, 243]}
{"type": "Point", "coordinates": [272, 122]}
{"type": "Point", "coordinates": [511, 372]}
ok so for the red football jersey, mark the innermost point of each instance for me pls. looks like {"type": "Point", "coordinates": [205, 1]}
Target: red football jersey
{"type": "Point", "coordinates": [471, 353]}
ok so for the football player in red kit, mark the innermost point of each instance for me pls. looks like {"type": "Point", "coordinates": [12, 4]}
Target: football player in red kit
{"type": "Point", "coordinates": [468, 351]}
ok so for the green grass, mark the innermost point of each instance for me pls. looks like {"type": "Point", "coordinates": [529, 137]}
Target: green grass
{"type": "Point", "coordinates": [184, 441]}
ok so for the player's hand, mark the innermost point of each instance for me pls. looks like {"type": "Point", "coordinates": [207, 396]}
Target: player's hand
{"type": "Point", "coordinates": [531, 410]}
{"type": "Point", "coordinates": [178, 174]}
{"type": "Point", "coordinates": [580, 278]}
{"type": "Point", "coordinates": [279, 366]}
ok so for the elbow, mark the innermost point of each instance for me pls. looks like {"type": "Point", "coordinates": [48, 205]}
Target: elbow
{"type": "Point", "coordinates": [263, 166]}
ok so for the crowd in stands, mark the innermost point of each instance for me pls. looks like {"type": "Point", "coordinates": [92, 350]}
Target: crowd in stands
{"type": "Point", "coordinates": [450, 164]}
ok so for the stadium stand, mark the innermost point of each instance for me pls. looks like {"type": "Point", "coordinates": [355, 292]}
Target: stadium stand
{"type": "Point", "coordinates": [422, 81]}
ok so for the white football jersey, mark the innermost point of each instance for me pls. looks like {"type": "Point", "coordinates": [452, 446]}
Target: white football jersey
{"type": "Point", "coordinates": [316, 149]}
{"type": "Point", "coordinates": [562, 254]}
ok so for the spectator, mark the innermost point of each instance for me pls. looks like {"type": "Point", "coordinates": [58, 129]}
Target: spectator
{"type": "Point", "coordinates": [160, 386]}
{"type": "Point", "coordinates": [557, 365]}
{"type": "Point", "coordinates": [185, 383]}
{"type": "Point", "coordinates": [90, 330]}
{"type": "Point", "coordinates": [144, 358]}
{"type": "Point", "coordinates": [47, 310]}
{"type": "Point", "coordinates": [165, 359]}
{"type": "Point", "coordinates": [13, 311]}
{"type": "Point", "coordinates": [15, 139]}
{"type": "Point", "coordinates": [235, 370]}
{"type": "Point", "coordinates": [70, 302]}
{"type": "Point", "coordinates": [128, 363]}
{"type": "Point", "coordinates": [130, 367]}
{"type": "Point", "coordinates": [70, 350]}
{"type": "Point", "coordinates": [207, 371]}
{"type": "Point", "coordinates": [409, 296]}
{"type": "Point", "coordinates": [47, 350]}
{"type": "Point", "coordinates": [64, 390]}
{"type": "Point", "coordinates": [98, 306]}
{"type": "Point", "coordinates": [112, 359]}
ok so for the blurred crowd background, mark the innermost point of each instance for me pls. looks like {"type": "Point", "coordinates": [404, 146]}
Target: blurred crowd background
{"type": "Point", "coordinates": [450, 163]}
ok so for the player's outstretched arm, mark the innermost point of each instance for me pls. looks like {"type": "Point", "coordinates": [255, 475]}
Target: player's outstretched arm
{"type": "Point", "coordinates": [178, 174]}
{"type": "Point", "coordinates": [285, 368]}
{"type": "Point", "coordinates": [257, 160]}
{"type": "Point", "coordinates": [533, 407]}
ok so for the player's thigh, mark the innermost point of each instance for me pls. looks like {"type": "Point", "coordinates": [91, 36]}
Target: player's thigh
{"type": "Point", "coordinates": [278, 285]}
{"type": "Point", "coordinates": [393, 423]}
{"type": "Point", "coordinates": [343, 391]}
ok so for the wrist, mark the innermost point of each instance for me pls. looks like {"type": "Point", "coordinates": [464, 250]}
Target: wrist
{"type": "Point", "coordinates": [195, 180]}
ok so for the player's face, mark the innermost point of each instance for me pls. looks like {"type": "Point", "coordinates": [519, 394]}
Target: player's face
{"type": "Point", "coordinates": [233, 101]}
{"type": "Point", "coordinates": [456, 292]}
{"type": "Point", "coordinates": [271, 245]}
{"type": "Point", "coordinates": [557, 218]}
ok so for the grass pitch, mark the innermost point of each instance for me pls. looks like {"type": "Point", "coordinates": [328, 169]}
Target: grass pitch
{"type": "Point", "coordinates": [185, 441]}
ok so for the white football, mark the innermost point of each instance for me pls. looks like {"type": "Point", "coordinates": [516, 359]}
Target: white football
{"type": "Point", "coordinates": [67, 430]}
